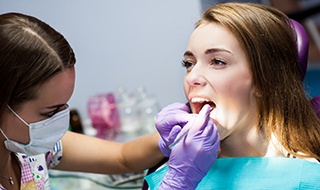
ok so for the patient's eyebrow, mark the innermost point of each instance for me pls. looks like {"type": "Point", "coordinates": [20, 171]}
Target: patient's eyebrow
{"type": "Point", "coordinates": [208, 51]}
{"type": "Point", "coordinates": [213, 50]}
{"type": "Point", "coordinates": [188, 53]}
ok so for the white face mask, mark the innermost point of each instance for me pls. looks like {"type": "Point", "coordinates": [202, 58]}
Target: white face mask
{"type": "Point", "coordinates": [43, 134]}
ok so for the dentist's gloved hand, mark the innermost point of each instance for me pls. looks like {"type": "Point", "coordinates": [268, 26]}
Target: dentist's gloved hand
{"type": "Point", "coordinates": [169, 122]}
{"type": "Point", "coordinates": [192, 157]}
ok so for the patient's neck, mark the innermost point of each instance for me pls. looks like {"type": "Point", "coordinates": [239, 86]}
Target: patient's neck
{"type": "Point", "coordinates": [244, 144]}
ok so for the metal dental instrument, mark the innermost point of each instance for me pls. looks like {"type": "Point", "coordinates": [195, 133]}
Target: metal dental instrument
{"type": "Point", "coordinates": [185, 133]}
{"type": "Point", "coordinates": [178, 139]}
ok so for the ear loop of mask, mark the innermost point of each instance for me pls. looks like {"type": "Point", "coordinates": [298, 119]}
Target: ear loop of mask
{"type": "Point", "coordinates": [5, 136]}
{"type": "Point", "coordinates": [17, 115]}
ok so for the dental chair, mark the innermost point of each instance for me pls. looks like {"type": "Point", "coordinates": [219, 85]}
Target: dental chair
{"type": "Point", "coordinates": [303, 48]}
{"type": "Point", "coordinates": [316, 104]}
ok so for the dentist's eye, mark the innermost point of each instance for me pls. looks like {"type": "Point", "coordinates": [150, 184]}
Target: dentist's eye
{"type": "Point", "coordinates": [186, 64]}
{"type": "Point", "coordinates": [51, 113]}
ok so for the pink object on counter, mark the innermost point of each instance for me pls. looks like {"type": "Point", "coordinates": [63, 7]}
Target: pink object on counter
{"type": "Point", "coordinates": [104, 115]}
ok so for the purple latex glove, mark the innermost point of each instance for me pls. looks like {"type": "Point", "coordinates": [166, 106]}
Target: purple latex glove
{"type": "Point", "coordinates": [192, 157]}
{"type": "Point", "coordinates": [169, 122]}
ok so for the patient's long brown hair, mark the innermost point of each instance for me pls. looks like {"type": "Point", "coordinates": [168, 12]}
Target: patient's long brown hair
{"type": "Point", "coordinates": [268, 40]}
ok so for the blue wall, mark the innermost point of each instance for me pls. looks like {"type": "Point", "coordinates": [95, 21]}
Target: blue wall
{"type": "Point", "coordinates": [120, 43]}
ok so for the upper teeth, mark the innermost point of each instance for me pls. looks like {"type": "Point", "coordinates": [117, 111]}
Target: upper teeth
{"type": "Point", "coordinates": [194, 100]}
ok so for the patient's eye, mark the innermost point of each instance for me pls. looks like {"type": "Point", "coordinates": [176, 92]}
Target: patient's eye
{"type": "Point", "coordinates": [215, 61]}
{"type": "Point", "coordinates": [187, 64]}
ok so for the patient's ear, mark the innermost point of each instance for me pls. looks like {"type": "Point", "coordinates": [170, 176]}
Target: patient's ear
{"type": "Point", "coordinates": [302, 42]}
{"type": "Point", "coordinates": [257, 93]}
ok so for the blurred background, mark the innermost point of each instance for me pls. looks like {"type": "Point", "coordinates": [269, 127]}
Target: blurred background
{"type": "Point", "coordinates": [120, 44]}
{"type": "Point", "coordinates": [133, 44]}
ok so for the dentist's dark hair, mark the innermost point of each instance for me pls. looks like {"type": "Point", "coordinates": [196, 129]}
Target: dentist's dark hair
{"type": "Point", "coordinates": [31, 52]}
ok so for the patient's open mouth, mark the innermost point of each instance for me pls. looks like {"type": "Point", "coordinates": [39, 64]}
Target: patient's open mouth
{"type": "Point", "coordinates": [198, 103]}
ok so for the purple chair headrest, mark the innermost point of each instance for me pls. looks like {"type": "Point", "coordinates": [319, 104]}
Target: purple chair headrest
{"type": "Point", "coordinates": [302, 46]}
{"type": "Point", "coordinates": [316, 104]}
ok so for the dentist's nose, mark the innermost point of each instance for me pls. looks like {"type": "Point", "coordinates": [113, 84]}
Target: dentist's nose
{"type": "Point", "coordinates": [196, 77]}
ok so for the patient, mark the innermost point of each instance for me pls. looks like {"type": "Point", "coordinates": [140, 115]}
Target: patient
{"type": "Point", "coordinates": [242, 61]}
